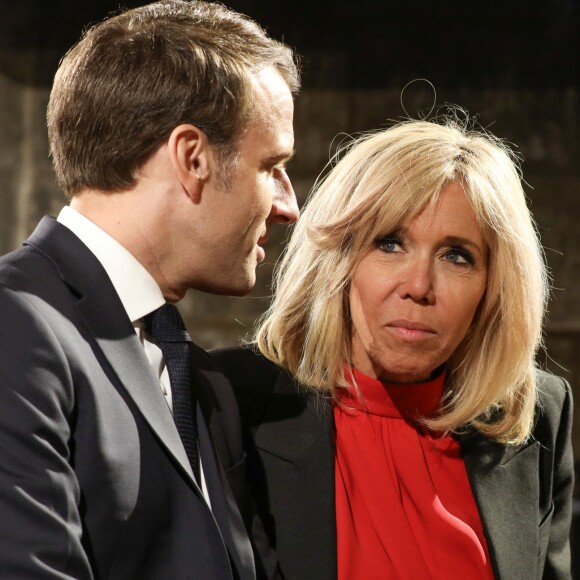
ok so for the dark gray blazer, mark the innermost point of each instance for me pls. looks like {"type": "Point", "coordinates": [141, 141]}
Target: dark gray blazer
{"type": "Point", "coordinates": [523, 492]}
{"type": "Point", "coordinates": [94, 479]}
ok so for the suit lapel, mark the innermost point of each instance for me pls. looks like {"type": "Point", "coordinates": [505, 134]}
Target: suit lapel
{"type": "Point", "coordinates": [223, 423]}
{"type": "Point", "coordinates": [225, 489]}
{"type": "Point", "coordinates": [127, 359]}
{"type": "Point", "coordinates": [224, 507]}
{"type": "Point", "coordinates": [505, 485]}
{"type": "Point", "coordinates": [104, 316]}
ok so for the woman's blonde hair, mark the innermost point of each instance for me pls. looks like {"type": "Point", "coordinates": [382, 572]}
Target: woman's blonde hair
{"type": "Point", "coordinates": [386, 178]}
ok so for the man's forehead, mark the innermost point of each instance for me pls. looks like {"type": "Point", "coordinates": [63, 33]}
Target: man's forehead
{"type": "Point", "coordinates": [272, 94]}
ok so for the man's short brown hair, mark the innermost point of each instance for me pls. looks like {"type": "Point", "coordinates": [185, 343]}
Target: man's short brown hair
{"type": "Point", "coordinates": [130, 80]}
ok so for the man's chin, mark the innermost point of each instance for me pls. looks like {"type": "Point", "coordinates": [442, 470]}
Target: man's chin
{"type": "Point", "coordinates": [239, 291]}
{"type": "Point", "coordinates": [239, 287]}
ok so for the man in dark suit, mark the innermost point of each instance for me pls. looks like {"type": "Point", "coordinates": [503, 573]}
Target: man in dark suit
{"type": "Point", "coordinates": [169, 127]}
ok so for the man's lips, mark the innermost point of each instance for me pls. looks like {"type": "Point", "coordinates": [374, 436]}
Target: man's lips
{"type": "Point", "coordinates": [410, 329]}
{"type": "Point", "coordinates": [261, 253]}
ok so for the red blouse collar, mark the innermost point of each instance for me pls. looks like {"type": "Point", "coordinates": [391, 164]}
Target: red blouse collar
{"type": "Point", "coordinates": [395, 400]}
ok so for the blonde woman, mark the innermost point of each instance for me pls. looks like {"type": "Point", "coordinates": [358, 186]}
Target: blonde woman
{"type": "Point", "coordinates": [398, 426]}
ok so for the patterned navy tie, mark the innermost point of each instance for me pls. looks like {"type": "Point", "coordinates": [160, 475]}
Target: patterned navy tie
{"type": "Point", "coordinates": [166, 326]}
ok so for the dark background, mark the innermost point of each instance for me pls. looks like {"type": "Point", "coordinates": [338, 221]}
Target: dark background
{"type": "Point", "coordinates": [513, 63]}
{"type": "Point", "coordinates": [362, 44]}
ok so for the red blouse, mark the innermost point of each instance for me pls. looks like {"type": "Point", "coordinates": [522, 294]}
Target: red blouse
{"type": "Point", "coordinates": [404, 506]}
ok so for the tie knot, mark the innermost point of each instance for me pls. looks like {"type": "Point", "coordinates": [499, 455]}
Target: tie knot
{"type": "Point", "coordinates": [166, 325]}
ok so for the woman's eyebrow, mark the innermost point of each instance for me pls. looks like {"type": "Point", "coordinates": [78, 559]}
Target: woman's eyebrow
{"type": "Point", "coordinates": [458, 240]}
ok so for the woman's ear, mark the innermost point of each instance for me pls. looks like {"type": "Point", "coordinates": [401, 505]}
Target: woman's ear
{"type": "Point", "coordinates": [189, 153]}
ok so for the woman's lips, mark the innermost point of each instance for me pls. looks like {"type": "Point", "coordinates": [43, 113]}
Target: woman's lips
{"type": "Point", "coordinates": [411, 330]}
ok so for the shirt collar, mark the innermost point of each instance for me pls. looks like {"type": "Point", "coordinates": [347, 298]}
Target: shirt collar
{"type": "Point", "coordinates": [137, 289]}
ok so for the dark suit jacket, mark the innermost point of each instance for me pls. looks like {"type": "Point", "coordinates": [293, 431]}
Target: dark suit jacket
{"type": "Point", "coordinates": [523, 492]}
{"type": "Point", "coordinates": [94, 479]}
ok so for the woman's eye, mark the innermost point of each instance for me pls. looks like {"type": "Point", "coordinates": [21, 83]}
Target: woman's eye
{"type": "Point", "coordinates": [390, 244]}
{"type": "Point", "coordinates": [459, 256]}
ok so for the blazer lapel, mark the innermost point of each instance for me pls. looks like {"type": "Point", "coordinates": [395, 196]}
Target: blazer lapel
{"type": "Point", "coordinates": [291, 405]}
{"type": "Point", "coordinates": [505, 485]}
{"type": "Point", "coordinates": [295, 442]}
{"type": "Point", "coordinates": [106, 319]}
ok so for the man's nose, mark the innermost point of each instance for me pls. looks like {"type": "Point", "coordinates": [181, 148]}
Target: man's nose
{"type": "Point", "coordinates": [284, 205]}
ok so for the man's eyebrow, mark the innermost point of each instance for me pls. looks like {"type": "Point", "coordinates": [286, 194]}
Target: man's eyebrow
{"type": "Point", "coordinates": [281, 157]}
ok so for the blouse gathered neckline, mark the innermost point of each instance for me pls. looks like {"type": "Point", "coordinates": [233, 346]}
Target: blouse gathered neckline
{"type": "Point", "coordinates": [405, 401]}
{"type": "Point", "coordinates": [404, 505]}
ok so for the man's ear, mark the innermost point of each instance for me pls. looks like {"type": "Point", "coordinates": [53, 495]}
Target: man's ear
{"type": "Point", "coordinates": [189, 153]}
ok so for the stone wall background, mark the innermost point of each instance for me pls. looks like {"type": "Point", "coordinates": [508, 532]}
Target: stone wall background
{"type": "Point", "coordinates": [515, 64]}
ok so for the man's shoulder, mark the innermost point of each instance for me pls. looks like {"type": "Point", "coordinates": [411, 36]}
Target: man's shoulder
{"type": "Point", "coordinates": [14, 258]}
{"type": "Point", "coordinates": [24, 268]}
{"type": "Point", "coordinates": [30, 263]}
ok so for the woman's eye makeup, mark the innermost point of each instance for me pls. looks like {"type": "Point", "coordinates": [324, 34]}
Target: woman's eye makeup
{"type": "Point", "coordinates": [390, 243]}
{"type": "Point", "coordinates": [459, 255]}
{"type": "Point", "coordinates": [455, 254]}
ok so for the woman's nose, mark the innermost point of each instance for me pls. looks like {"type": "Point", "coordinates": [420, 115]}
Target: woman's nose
{"type": "Point", "coordinates": [417, 281]}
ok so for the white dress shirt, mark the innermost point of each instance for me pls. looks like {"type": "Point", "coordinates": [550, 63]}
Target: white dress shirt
{"type": "Point", "coordinates": [137, 289]}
